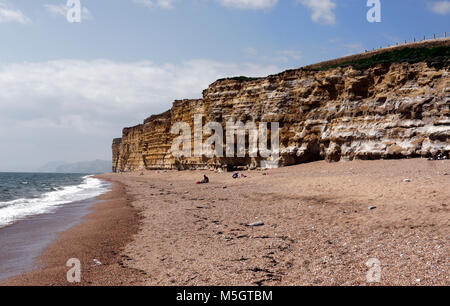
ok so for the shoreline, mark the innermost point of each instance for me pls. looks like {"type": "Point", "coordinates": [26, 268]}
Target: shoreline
{"type": "Point", "coordinates": [24, 241]}
{"type": "Point", "coordinates": [102, 233]}
{"type": "Point", "coordinates": [320, 223]}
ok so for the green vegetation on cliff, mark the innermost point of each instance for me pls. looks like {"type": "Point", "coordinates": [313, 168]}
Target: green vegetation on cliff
{"type": "Point", "coordinates": [240, 79]}
{"type": "Point", "coordinates": [406, 55]}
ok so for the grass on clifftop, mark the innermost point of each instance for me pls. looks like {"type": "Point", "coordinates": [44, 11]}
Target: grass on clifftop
{"type": "Point", "coordinates": [409, 55]}
{"type": "Point", "coordinates": [240, 79]}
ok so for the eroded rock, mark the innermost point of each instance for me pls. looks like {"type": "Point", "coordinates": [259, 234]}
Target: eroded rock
{"type": "Point", "coordinates": [388, 111]}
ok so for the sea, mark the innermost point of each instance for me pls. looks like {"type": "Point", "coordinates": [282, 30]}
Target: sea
{"type": "Point", "coordinates": [35, 208]}
{"type": "Point", "coordinates": [28, 194]}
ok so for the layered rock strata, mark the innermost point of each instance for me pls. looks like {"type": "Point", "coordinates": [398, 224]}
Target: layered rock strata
{"type": "Point", "coordinates": [396, 110]}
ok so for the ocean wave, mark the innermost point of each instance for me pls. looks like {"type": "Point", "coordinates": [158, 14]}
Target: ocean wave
{"type": "Point", "coordinates": [18, 209]}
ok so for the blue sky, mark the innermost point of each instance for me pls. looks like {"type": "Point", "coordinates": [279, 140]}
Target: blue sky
{"type": "Point", "coordinates": [66, 89]}
{"type": "Point", "coordinates": [128, 30]}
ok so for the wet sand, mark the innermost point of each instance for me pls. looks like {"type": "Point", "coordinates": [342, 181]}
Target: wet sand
{"type": "Point", "coordinates": [322, 223]}
{"type": "Point", "coordinates": [101, 236]}
{"type": "Point", "coordinates": [22, 242]}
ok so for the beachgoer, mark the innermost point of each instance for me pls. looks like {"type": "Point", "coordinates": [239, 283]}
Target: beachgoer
{"type": "Point", "coordinates": [204, 181]}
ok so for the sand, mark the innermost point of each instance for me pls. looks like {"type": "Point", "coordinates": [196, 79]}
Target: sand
{"type": "Point", "coordinates": [318, 229]}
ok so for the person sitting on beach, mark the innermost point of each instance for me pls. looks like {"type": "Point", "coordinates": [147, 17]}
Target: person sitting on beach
{"type": "Point", "coordinates": [205, 180]}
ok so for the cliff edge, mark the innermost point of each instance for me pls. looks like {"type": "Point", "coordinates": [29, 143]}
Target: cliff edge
{"type": "Point", "coordinates": [394, 104]}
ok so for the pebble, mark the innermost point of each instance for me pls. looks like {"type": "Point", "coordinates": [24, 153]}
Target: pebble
{"type": "Point", "coordinates": [97, 262]}
{"type": "Point", "coordinates": [259, 223]}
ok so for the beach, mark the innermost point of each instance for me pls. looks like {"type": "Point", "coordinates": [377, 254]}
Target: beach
{"type": "Point", "coordinates": [101, 235]}
{"type": "Point", "coordinates": [26, 239]}
{"type": "Point", "coordinates": [312, 224]}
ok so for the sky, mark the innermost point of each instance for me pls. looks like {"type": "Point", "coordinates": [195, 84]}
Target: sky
{"type": "Point", "coordinates": [68, 88]}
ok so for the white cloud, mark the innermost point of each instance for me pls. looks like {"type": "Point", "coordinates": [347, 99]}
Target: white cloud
{"type": "Point", "coordinates": [344, 47]}
{"type": "Point", "coordinates": [167, 4]}
{"type": "Point", "coordinates": [239, 4]}
{"type": "Point", "coordinates": [287, 55]}
{"type": "Point", "coordinates": [61, 10]}
{"type": "Point", "coordinates": [249, 4]}
{"type": "Point", "coordinates": [322, 10]}
{"type": "Point", "coordinates": [164, 4]}
{"type": "Point", "coordinates": [56, 9]}
{"type": "Point", "coordinates": [102, 96]}
{"type": "Point", "coordinates": [440, 7]}
{"type": "Point", "coordinates": [9, 14]}
{"type": "Point", "coordinates": [72, 109]}
{"type": "Point", "coordinates": [278, 56]}
{"type": "Point", "coordinates": [353, 47]}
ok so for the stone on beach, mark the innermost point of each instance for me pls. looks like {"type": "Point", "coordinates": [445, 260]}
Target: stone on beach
{"type": "Point", "coordinates": [97, 262]}
{"type": "Point", "coordinates": [259, 223]}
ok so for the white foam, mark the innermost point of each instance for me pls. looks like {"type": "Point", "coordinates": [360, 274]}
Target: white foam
{"type": "Point", "coordinates": [13, 211]}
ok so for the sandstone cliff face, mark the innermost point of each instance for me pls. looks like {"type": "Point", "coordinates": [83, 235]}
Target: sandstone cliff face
{"type": "Point", "coordinates": [388, 111]}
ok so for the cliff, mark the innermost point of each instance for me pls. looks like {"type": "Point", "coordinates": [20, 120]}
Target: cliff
{"type": "Point", "coordinates": [395, 109]}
